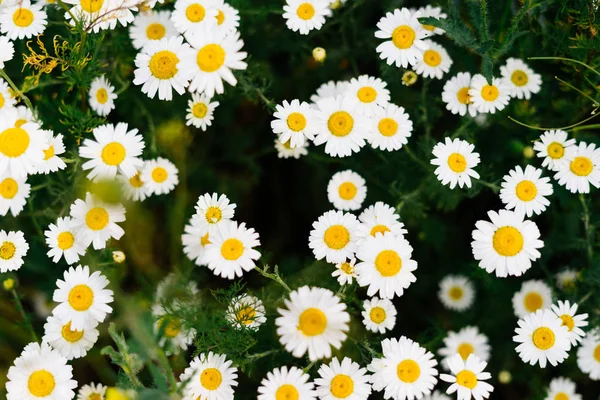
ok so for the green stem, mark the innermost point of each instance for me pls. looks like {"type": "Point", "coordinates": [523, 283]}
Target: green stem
{"type": "Point", "coordinates": [415, 158]}
{"type": "Point", "coordinates": [164, 363]}
{"type": "Point", "coordinates": [566, 59]}
{"type": "Point", "coordinates": [484, 21]}
{"type": "Point", "coordinates": [21, 310]}
{"type": "Point", "coordinates": [495, 188]}
{"type": "Point", "coordinates": [594, 102]}
{"type": "Point", "coordinates": [594, 115]}
{"type": "Point", "coordinates": [273, 276]}
{"type": "Point", "coordinates": [588, 228]}
{"type": "Point", "coordinates": [585, 127]}
{"type": "Point", "coordinates": [17, 91]}
{"type": "Point", "coordinates": [309, 366]}
{"type": "Point", "coordinates": [265, 100]}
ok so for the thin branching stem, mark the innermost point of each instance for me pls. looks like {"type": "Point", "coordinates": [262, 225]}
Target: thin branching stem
{"type": "Point", "coordinates": [566, 59]}
{"type": "Point", "coordinates": [17, 91]}
{"type": "Point", "coordinates": [564, 128]}
{"type": "Point", "coordinates": [588, 228]}
{"type": "Point", "coordinates": [21, 310]}
{"type": "Point", "coordinates": [273, 276]}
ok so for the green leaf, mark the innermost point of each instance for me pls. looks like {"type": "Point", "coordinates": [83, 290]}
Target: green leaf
{"type": "Point", "coordinates": [487, 68]}
{"type": "Point", "coordinates": [457, 31]}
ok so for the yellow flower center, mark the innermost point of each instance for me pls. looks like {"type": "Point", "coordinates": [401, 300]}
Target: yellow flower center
{"type": "Point", "coordinates": [507, 241]}
{"type": "Point", "coordinates": [220, 17]}
{"type": "Point", "coordinates": [210, 58]}
{"type": "Point", "coordinates": [287, 392]}
{"type": "Point", "coordinates": [172, 326]}
{"type": "Point", "coordinates": [95, 396]}
{"type": "Point", "coordinates": [48, 153]}
{"type": "Point", "coordinates": [41, 383]}
{"type": "Point", "coordinates": [195, 12]}
{"type": "Point", "coordinates": [526, 190]}
{"type": "Point", "coordinates": [387, 127]}
{"type": "Point", "coordinates": [213, 215]}
{"type": "Point", "coordinates": [379, 229]}
{"type": "Point", "coordinates": [70, 335]}
{"type": "Point", "coordinates": [428, 27]}
{"type": "Point", "coordinates": [347, 268]}
{"type": "Point", "coordinates": [246, 315]}
{"type": "Point", "coordinates": [533, 301]}
{"type": "Point", "coordinates": [199, 110]}
{"type": "Point", "coordinates": [7, 250]}
{"type": "Point", "coordinates": [91, 6]}
{"type": "Point", "coordinates": [113, 153]}
{"type": "Point", "coordinates": [211, 378]}
{"type": "Point", "coordinates": [312, 322]}
{"type": "Point", "coordinates": [457, 162]}
{"type": "Point", "coordinates": [232, 249]}
{"type": "Point", "coordinates": [347, 190]}
{"type": "Point", "coordinates": [388, 263]}
{"type": "Point", "coordinates": [9, 188]}
{"type": "Point", "coordinates": [336, 237]}
{"type": "Point", "coordinates": [20, 122]}
{"type": "Point", "coordinates": [14, 142]}
{"type": "Point", "coordinates": [65, 240]}
{"type": "Point", "coordinates": [568, 321]}
{"type": "Point", "coordinates": [96, 218]}
{"type": "Point", "coordinates": [296, 121]}
{"type": "Point", "coordinates": [102, 96]}
{"type": "Point", "coordinates": [204, 240]}
{"type": "Point", "coordinates": [519, 78]}
{"type": "Point", "coordinates": [432, 58]}
{"type": "Point", "coordinates": [1, 95]}
{"type": "Point", "coordinates": [467, 379]}
{"type": "Point", "coordinates": [597, 353]}
{"type": "Point", "coordinates": [408, 371]}
{"type": "Point", "coordinates": [561, 396]}
{"type": "Point", "coordinates": [136, 181]}
{"type": "Point", "coordinates": [340, 123]}
{"type": "Point", "coordinates": [465, 349]}
{"type": "Point", "coordinates": [377, 315]}
{"type": "Point", "coordinates": [81, 297]}
{"type": "Point", "coordinates": [403, 37]}
{"type": "Point", "coordinates": [159, 174]}
{"type": "Point", "coordinates": [342, 386]}
{"type": "Point", "coordinates": [155, 31]}
{"type": "Point", "coordinates": [455, 293]}
{"type": "Point", "coordinates": [163, 64]}
{"type": "Point", "coordinates": [305, 11]}
{"type": "Point", "coordinates": [543, 338]}
{"type": "Point", "coordinates": [23, 17]}
{"type": "Point", "coordinates": [367, 94]}
{"type": "Point", "coordinates": [489, 92]}
{"type": "Point", "coordinates": [463, 95]}
{"type": "Point", "coordinates": [581, 166]}
{"type": "Point", "coordinates": [555, 150]}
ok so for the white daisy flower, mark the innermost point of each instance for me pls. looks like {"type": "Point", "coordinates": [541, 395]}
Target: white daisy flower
{"type": "Point", "coordinates": [404, 34]}
{"type": "Point", "coordinates": [209, 376]}
{"type": "Point", "coordinates": [526, 191]}
{"type": "Point", "coordinates": [467, 376]}
{"type": "Point", "coordinates": [13, 194]}
{"type": "Point", "coordinates": [340, 126]}
{"type": "Point", "coordinates": [246, 312]}
{"type": "Point", "coordinates": [588, 355]}
{"type": "Point", "coordinates": [542, 337]}
{"type": "Point", "coordinates": [285, 150]}
{"type": "Point", "coordinates": [24, 115]}
{"type": "Point", "coordinates": [200, 111]}
{"type": "Point", "coordinates": [23, 20]}
{"type": "Point", "coordinates": [567, 312]}
{"type": "Point", "coordinates": [134, 188]}
{"type": "Point", "coordinates": [154, 25]}
{"type": "Point", "coordinates": [13, 248]}
{"type": "Point", "coordinates": [315, 320]}
{"type": "Point", "coordinates": [342, 380]}
{"type": "Point", "coordinates": [70, 343]}
{"type": "Point", "coordinates": [435, 12]}
{"type": "Point", "coordinates": [562, 389]}
{"type": "Point", "coordinates": [391, 127]}
{"type": "Point", "coordinates": [52, 162]}
{"type": "Point", "coordinates": [6, 99]}
{"type": "Point", "coordinates": [174, 336]}
{"type": "Point", "coordinates": [96, 221]}
{"type": "Point", "coordinates": [228, 18]}
{"type": "Point", "coordinates": [294, 122]}
{"type": "Point", "coordinates": [455, 160]}
{"type": "Point", "coordinates": [488, 98]}
{"type": "Point", "coordinates": [456, 292]}
{"type": "Point", "coordinates": [286, 383]}
{"type": "Point", "coordinates": [366, 93]}
{"type": "Point", "coordinates": [520, 79]}
{"type": "Point", "coordinates": [344, 271]}
{"type": "Point", "coordinates": [115, 149]}
{"type": "Point", "coordinates": [465, 342]}
{"type": "Point", "coordinates": [83, 298]}
{"type": "Point", "coordinates": [379, 218]}
{"type": "Point", "coordinates": [160, 176]}
{"type": "Point", "coordinates": [189, 16]}
{"type": "Point", "coordinates": [160, 67]}
{"type": "Point", "coordinates": [330, 89]}
{"type": "Point", "coordinates": [555, 149]}
{"type": "Point", "coordinates": [434, 62]}
{"type": "Point", "coordinates": [583, 169]}
{"type": "Point", "coordinates": [102, 96]}
{"type": "Point", "coordinates": [456, 95]}
{"type": "Point", "coordinates": [231, 250]}
{"type": "Point", "coordinates": [91, 14]}
{"type": "Point", "coordinates": [40, 372]}
{"type": "Point", "coordinates": [119, 12]}
{"type": "Point", "coordinates": [7, 51]}
{"type": "Point", "coordinates": [379, 315]}
{"type": "Point", "coordinates": [64, 240]}
{"type": "Point", "coordinates": [92, 391]}
{"type": "Point", "coordinates": [405, 371]}
{"type": "Point", "coordinates": [566, 279]}
{"type": "Point", "coordinates": [304, 15]}
{"type": "Point", "coordinates": [347, 190]}
{"type": "Point", "coordinates": [213, 210]}
{"type": "Point", "coordinates": [194, 239]}
{"type": "Point", "coordinates": [507, 245]}
{"type": "Point", "coordinates": [333, 236]}
{"type": "Point", "coordinates": [386, 266]}
{"type": "Point", "coordinates": [534, 295]}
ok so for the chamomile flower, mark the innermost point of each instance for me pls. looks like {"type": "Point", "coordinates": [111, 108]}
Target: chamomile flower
{"type": "Point", "coordinates": [465, 342]}
{"type": "Point", "coordinates": [435, 12]}
{"type": "Point", "coordinates": [96, 221]}
{"type": "Point", "coordinates": [347, 190]}
{"type": "Point", "coordinates": [174, 335]}
{"type": "Point", "coordinates": [455, 160]}
{"type": "Point", "coordinates": [467, 378]}
{"type": "Point", "coordinates": [231, 250]}
{"type": "Point", "coordinates": [562, 389]}
{"type": "Point", "coordinates": [91, 14]}
{"type": "Point", "coordinates": [340, 126]}
{"type": "Point", "coordinates": [457, 292]}
{"type": "Point", "coordinates": [176, 291]}
{"type": "Point", "coordinates": [379, 315]}
{"type": "Point", "coordinates": [102, 96]}
{"type": "Point", "coordinates": [379, 218]}
{"type": "Point", "coordinates": [7, 51]}
{"type": "Point", "coordinates": [366, 93]}
{"type": "Point", "coordinates": [23, 20]}
{"type": "Point", "coordinates": [313, 321]}
{"type": "Point", "coordinates": [69, 343]}
{"type": "Point", "coordinates": [209, 376]}
{"type": "Point", "coordinates": [542, 338]}
{"type": "Point", "coordinates": [333, 236]}
{"type": "Point", "coordinates": [154, 25]}
{"type": "Point", "coordinates": [507, 245]}
{"type": "Point", "coordinates": [228, 18]}
{"type": "Point", "coordinates": [534, 295]}
{"type": "Point", "coordinates": [115, 149]}
{"type": "Point", "coordinates": [456, 95]}
{"type": "Point", "coordinates": [583, 169]}
{"type": "Point", "coordinates": [134, 188]}
{"type": "Point", "coordinates": [212, 210]}
{"type": "Point", "coordinates": [555, 149]}
{"type": "Point", "coordinates": [200, 111]}
{"type": "Point", "coordinates": [405, 371]}
{"type": "Point", "coordinates": [40, 372]}
{"type": "Point", "coordinates": [588, 356]}
{"type": "Point", "coordinates": [434, 62]}
{"type": "Point", "coordinates": [194, 239]}
{"type": "Point", "coordinates": [344, 271]}
{"type": "Point", "coordinates": [286, 383]}
{"type": "Point", "coordinates": [119, 12]}
{"type": "Point", "coordinates": [160, 68]}
{"type": "Point", "coordinates": [246, 312]}
{"type": "Point", "coordinates": [92, 391]}
{"type": "Point", "coordinates": [55, 147]}
{"type": "Point", "coordinates": [330, 89]}
{"type": "Point", "coordinates": [13, 248]}
{"type": "Point", "coordinates": [386, 266]}
{"type": "Point", "coordinates": [294, 122]}
{"type": "Point", "coordinates": [160, 176]}
{"type": "Point", "coordinates": [390, 128]}
{"type": "Point", "coordinates": [64, 241]}
{"type": "Point", "coordinates": [567, 312]}
{"type": "Point", "coordinates": [342, 380]}
{"type": "Point", "coordinates": [13, 194]}
{"type": "Point", "coordinates": [488, 98]}
{"type": "Point", "coordinates": [304, 15]}
{"type": "Point", "coordinates": [190, 15]}
{"type": "Point", "coordinates": [285, 150]}
{"type": "Point", "coordinates": [83, 298]}
{"type": "Point", "coordinates": [6, 99]}
{"type": "Point", "coordinates": [520, 79]}
{"type": "Point", "coordinates": [404, 36]}
{"type": "Point", "coordinates": [566, 279]}
{"type": "Point", "coordinates": [526, 191]}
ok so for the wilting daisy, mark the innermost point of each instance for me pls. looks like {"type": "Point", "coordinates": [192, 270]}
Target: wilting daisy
{"type": "Point", "coordinates": [566, 279]}
{"type": "Point", "coordinates": [379, 218]}
{"type": "Point", "coordinates": [40, 372]}
{"type": "Point", "coordinates": [228, 18]}
{"type": "Point", "coordinates": [154, 25]}
{"type": "Point", "coordinates": [333, 236]}
{"type": "Point", "coordinates": [13, 194]}
{"type": "Point", "coordinates": [342, 380]}
{"type": "Point", "coordinates": [13, 248]}
{"type": "Point", "coordinates": [488, 98]}
{"type": "Point", "coordinates": [583, 169]}
{"type": "Point", "coordinates": [346, 190]}
{"type": "Point", "coordinates": [404, 36]}
{"type": "Point", "coordinates": [159, 67]}
{"type": "Point", "coordinates": [507, 245]}
{"type": "Point", "coordinates": [200, 111]}
{"type": "Point", "coordinates": [344, 271]}
{"type": "Point", "coordinates": [209, 376]}
{"type": "Point", "coordinates": [456, 292]}
{"type": "Point", "coordinates": [7, 51]}
{"type": "Point", "coordinates": [435, 61]}
{"type": "Point", "coordinates": [520, 79]}
{"type": "Point", "coordinates": [194, 239]}
{"type": "Point", "coordinates": [467, 376]}
{"type": "Point", "coordinates": [118, 12]}
{"type": "Point", "coordinates": [330, 89]}
{"type": "Point", "coordinates": [315, 320]}
{"type": "Point", "coordinates": [286, 383]}
{"type": "Point", "coordinates": [134, 188]}
{"type": "Point", "coordinates": [55, 147]}
{"type": "Point", "coordinates": [159, 176]}
{"type": "Point", "coordinates": [294, 122]}
{"type": "Point", "coordinates": [405, 371]}
{"type": "Point", "coordinates": [246, 312]}
{"type": "Point", "coordinates": [189, 16]}
{"type": "Point", "coordinates": [304, 15]}
{"type": "Point", "coordinates": [379, 315]}
{"type": "Point", "coordinates": [213, 209]}
{"type": "Point", "coordinates": [366, 93]}
{"type": "Point", "coordinates": [455, 160]}
{"type": "Point", "coordinates": [23, 20]}
{"type": "Point", "coordinates": [285, 150]}
{"type": "Point", "coordinates": [70, 343]}
{"type": "Point", "coordinates": [97, 221]}
{"type": "Point", "coordinates": [6, 99]}
{"type": "Point", "coordinates": [102, 96]}
{"type": "Point", "coordinates": [555, 149]}
{"type": "Point", "coordinates": [64, 240]}
{"type": "Point", "coordinates": [92, 392]}
{"type": "Point", "coordinates": [435, 12]}
{"type": "Point", "coordinates": [386, 266]}
{"type": "Point", "coordinates": [174, 334]}
{"type": "Point", "coordinates": [534, 295]}
{"type": "Point", "coordinates": [562, 389]}
{"type": "Point", "coordinates": [465, 342]}
{"type": "Point", "coordinates": [526, 191]}
{"type": "Point", "coordinates": [390, 128]}
{"type": "Point", "coordinates": [588, 355]}
{"type": "Point", "coordinates": [456, 95]}
{"type": "Point", "coordinates": [567, 312]}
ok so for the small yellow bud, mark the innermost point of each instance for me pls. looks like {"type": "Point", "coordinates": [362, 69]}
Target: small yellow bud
{"type": "Point", "coordinates": [409, 78]}
{"type": "Point", "coordinates": [118, 256]}
{"type": "Point", "coordinates": [319, 54]}
{"type": "Point", "coordinates": [8, 284]}
{"type": "Point", "coordinates": [528, 152]}
{"type": "Point", "coordinates": [504, 377]}
{"type": "Point", "coordinates": [113, 393]}
{"type": "Point", "coordinates": [335, 5]}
